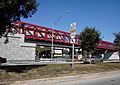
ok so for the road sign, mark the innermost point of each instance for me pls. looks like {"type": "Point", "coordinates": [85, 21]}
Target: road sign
{"type": "Point", "coordinates": [72, 30]}
{"type": "Point", "coordinates": [73, 24]}
{"type": "Point", "coordinates": [72, 35]}
{"type": "Point", "coordinates": [72, 40]}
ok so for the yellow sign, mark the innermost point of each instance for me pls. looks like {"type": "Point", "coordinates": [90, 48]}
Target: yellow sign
{"type": "Point", "coordinates": [72, 30]}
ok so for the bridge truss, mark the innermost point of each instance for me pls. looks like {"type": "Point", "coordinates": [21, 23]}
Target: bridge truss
{"type": "Point", "coordinates": [44, 34]}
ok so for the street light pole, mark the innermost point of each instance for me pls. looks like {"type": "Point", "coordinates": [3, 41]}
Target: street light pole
{"type": "Point", "coordinates": [53, 24]}
{"type": "Point", "coordinates": [52, 45]}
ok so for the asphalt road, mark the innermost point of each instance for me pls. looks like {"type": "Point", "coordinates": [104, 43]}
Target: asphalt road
{"type": "Point", "coordinates": [104, 78]}
{"type": "Point", "coordinates": [108, 80]}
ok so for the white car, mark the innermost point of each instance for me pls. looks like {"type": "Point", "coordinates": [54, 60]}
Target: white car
{"type": "Point", "coordinates": [93, 59]}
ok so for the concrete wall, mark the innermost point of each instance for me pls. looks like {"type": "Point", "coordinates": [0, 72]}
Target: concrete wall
{"type": "Point", "coordinates": [16, 48]}
{"type": "Point", "coordinates": [111, 56]}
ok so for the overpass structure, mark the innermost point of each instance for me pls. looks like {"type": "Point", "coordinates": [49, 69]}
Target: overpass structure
{"type": "Point", "coordinates": [20, 44]}
{"type": "Point", "coordinates": [42, 34]}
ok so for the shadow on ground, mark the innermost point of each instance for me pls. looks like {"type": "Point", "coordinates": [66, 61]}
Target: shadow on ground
{"type": "Point", "coordinates": [19, 68]}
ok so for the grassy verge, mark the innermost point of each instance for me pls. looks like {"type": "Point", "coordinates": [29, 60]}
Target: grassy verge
{"type": "Point", "coordinates": [46, 71]}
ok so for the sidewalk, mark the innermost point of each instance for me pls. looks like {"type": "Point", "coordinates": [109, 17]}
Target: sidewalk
{"type": "Point", "coordinates": [54, 80]}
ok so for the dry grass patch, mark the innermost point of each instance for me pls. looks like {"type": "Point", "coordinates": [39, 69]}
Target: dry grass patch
{"type": "Point", "coordinates": [33, 72]}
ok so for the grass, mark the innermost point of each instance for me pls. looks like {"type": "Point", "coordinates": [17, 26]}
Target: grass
{"type": "Point", "coordinates": [46, 71]}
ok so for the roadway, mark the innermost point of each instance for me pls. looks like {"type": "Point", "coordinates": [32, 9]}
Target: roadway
{"type": "Point", "coordinates": [104, 78]}
{"type": "Point", "coordinates": [107, 80]}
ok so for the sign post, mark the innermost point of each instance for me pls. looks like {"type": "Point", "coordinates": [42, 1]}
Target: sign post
{"type": "Point", "coordinates": [73, 56]}
{"type": "Point", "coordinates": [72, 35]}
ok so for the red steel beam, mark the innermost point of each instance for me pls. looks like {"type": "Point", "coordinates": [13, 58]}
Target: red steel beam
{"type": "Point", "coordinates": [45, 34]}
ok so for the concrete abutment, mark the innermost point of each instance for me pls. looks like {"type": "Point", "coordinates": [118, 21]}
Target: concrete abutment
{"type": "Point", "coordinates": [13, 48]}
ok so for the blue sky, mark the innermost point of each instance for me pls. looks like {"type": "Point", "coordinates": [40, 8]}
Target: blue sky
{"type": "Point", "coordinates": [102, 14]}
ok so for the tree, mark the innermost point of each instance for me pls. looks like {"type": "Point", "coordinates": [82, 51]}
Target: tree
{"type": "Point", "coordinates": [13, 10]}
{"type": "Point", "coordinates": [89, 40]}
{"type": "Point", "coordinates": [65, 52]}
{"type": "Point", "coordinates": [40, 51]}
{"type": "Point", "coordinates": [117, 42]}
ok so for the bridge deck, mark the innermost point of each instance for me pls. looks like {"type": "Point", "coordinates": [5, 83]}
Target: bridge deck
{"type": "Point", "coordinates": [44, 34]}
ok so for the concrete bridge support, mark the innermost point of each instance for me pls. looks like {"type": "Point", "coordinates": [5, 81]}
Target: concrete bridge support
{"type": "Point", "coordinates": [13, 48]}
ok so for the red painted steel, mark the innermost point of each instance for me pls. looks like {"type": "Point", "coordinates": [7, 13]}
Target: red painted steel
{"type": "Point", "coordinates": [36, 32]}
{"type": "Point", "coordinates": [106, 45]}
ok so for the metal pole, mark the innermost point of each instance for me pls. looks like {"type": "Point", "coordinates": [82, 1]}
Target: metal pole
{"type": "Point", "coordinates": [52, 45]}
{"type": "Point", "coordinates": [90, 58]}
{"type": "Point", "coordinates": [73, 56]}
{"type": "Point", "coordinates": [54, 23]}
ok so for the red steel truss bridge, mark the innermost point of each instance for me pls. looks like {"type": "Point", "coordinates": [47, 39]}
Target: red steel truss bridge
{"type": "Point", "coordinates": [42, 34]}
